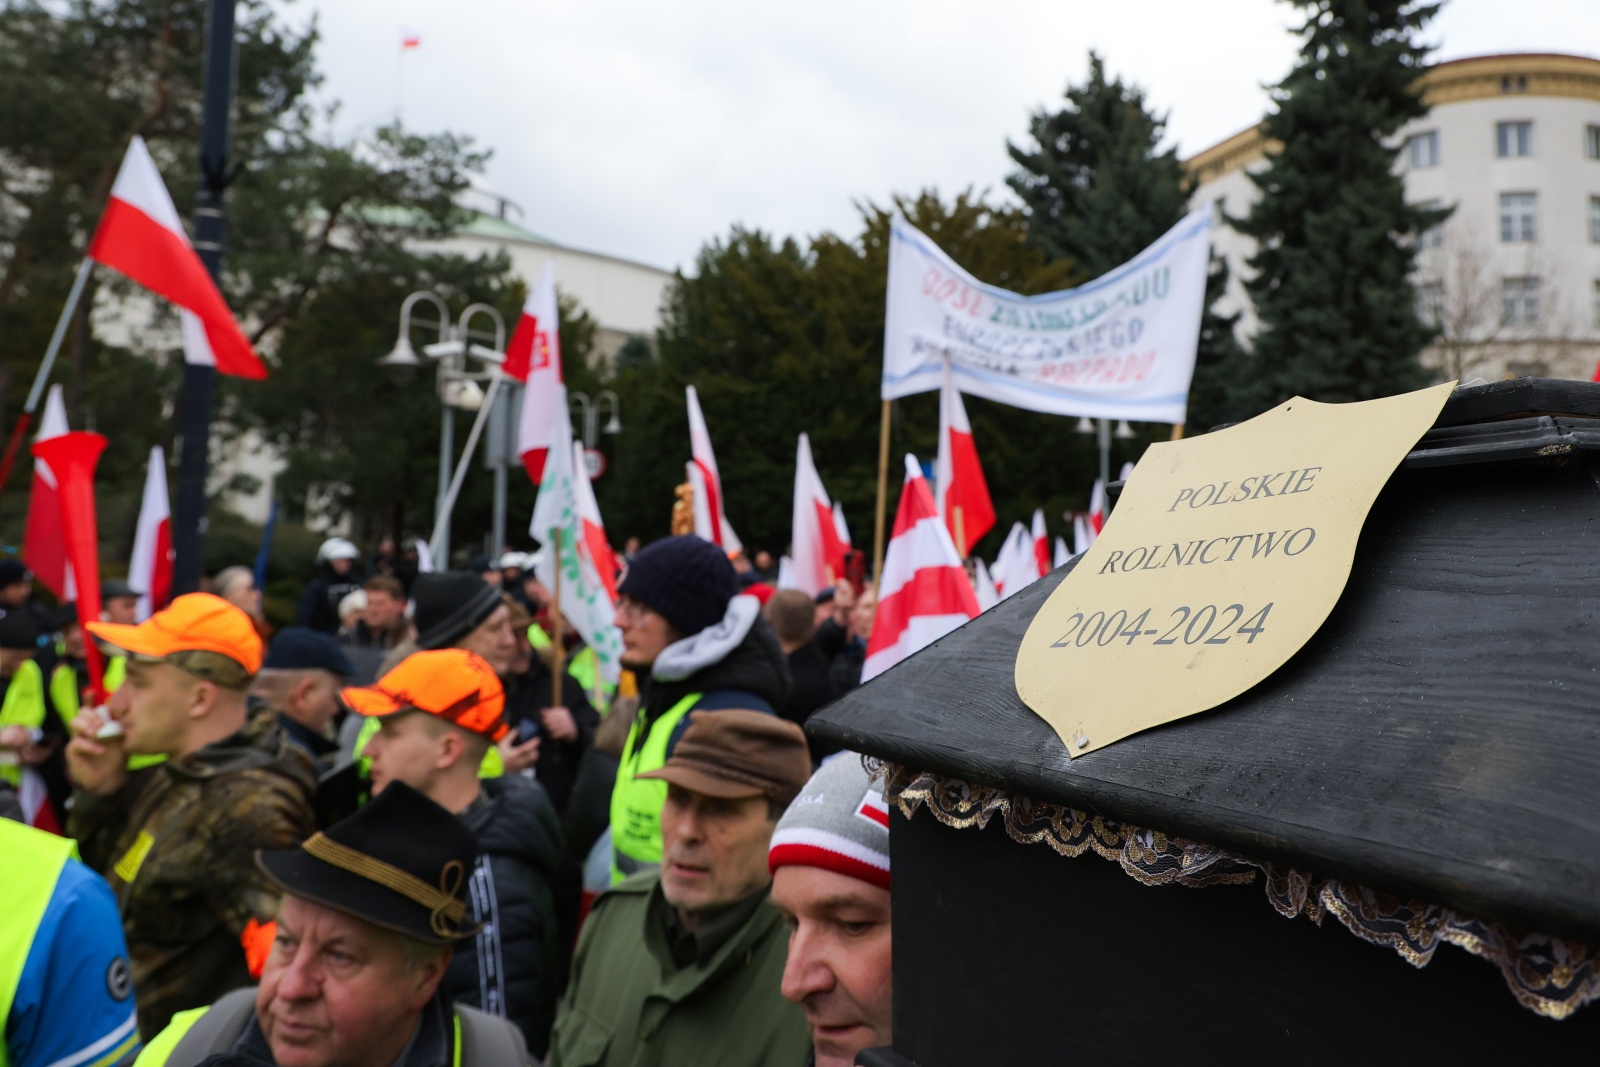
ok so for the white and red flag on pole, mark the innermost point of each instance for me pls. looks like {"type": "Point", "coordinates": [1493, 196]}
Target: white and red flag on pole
{"type": "Point", "coordinates": [1018, 563]}
{"type": "Point", "coordinates": [141, 236]}
{"type": "Point", "coordinates": [44, 547]}
{"type": "Point", "coordinates": [533, 357]}
{"type": "Point", "coordinates": [1062, 555]}
{"type": "Point", "coordinates": [924, 592]}
{"type": "Point", "coordinates": [1097, 507]}
{"type": "Point", "coordinates": [840, 528]}
{"type": "Point", "coordinates": [710, 516]}
{"type": "Point", "coordinates": [594, 528]}
{"type": "Point", "coordinates": [1082, 534]}
{"type": "Point", "coordinates": [818, 556]}
{"type": "Point", "coordinates": [150, 569]}
{"type": "Point", "coordinates": [964, 501]}
{"type": "Point", "coordinates": [1041, 542]}
{"type": "Point", "coordinates": [585, 600]}
{"type": "Point", "coordinates": [983, 586]}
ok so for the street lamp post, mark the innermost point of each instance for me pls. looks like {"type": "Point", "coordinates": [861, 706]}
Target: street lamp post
{"type": "Point", "coordinates": [1101, 428]}
{"type": "Point", "coordinates": [456, 386]}
{"type": "Point", "coordinates": [591, 410]}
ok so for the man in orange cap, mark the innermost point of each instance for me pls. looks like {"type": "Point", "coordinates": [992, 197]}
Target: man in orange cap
{"type": "Point", "coordinates": [176, 841]}
{"type": "Point", "coordinates": [438, 712]}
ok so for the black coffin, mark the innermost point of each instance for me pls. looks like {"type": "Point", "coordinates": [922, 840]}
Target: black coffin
{"type": "Point", "coordinates": [1419, 785]}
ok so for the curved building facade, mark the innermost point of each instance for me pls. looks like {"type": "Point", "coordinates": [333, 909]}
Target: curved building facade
{"type": "Point", "coordinates": [1512, 279]}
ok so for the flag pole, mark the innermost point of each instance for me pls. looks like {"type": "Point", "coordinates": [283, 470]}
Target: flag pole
{"type": "Point", "coordinates": [961, 531]}
{"type": "Point", "coordinates": [883, 493]}
{"type": "Point", "coordinates": [42, 376]}
{"type": "Point", "coordinates": [1177, 431]}
{"type": "Point", "coordinates": [558, 646]}
{"type": "Point", "coordinates": [442, 522]}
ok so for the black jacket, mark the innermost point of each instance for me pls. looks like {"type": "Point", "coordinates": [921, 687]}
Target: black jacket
{"type": "Point", "coordinates": [319, 604]}
{"type": "Point", "coordinates": [520, 891]}
{"type": "Point", "coordinates": [558, 762]}
{"type": "Point", "coordinates": [814, 687]}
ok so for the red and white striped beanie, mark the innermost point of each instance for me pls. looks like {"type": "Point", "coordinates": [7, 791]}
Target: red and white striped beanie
{"type": "Point", "coordinates": [839, 822]}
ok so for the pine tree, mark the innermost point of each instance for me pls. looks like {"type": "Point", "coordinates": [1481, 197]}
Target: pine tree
{"type": "Point", "coordinates": [1332, 273]}
{"type": "Point", "coordinates": [1098, 189]}
{"type": "Point", "coordinates": [1096, 185]}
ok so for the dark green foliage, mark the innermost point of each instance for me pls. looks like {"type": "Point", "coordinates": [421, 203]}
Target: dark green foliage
{"type": "Point", "coordinates": [1096, 185]}
{"type": "Point", "coordinates": [1098, 189]}
{"type": "Point", "coordinates": [780, 338]}
{"type": "Point", "coordinates": [319, 251]}
{"type": "Point", "coordinates": [1332, 274]}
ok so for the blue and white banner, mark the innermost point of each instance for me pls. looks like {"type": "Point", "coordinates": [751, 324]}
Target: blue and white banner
{"type": "Point", "coordinates": [1119, 347]}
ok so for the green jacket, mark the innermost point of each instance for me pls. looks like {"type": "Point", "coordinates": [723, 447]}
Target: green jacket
{"type": "Point", "coordinates": [628, 1005]}
{"type": "Point", "coordinates": [178, 845]}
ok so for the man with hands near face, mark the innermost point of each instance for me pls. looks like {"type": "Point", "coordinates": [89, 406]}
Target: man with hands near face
{"type": "Point", "coordinates": [176, 840]}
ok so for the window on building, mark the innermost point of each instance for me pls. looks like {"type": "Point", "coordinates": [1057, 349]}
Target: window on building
{"type": "Point", "coordinates": [1433, 237]}
{"type": "Point", "coordinates": [1591, 142]}
{"type": "Point", "coordinates": [1519, 301]}
{"type": "Point", "coordinates": [1422, 150]}
{"type": "Point", "coordinates": [1513, 139]}
{"type": "Point", "coordinates": [1596, 302]}
{"type": "Point", "coordinates": [1517, 217]}
{"type": "Point", "coordinates": [1430, 303]}
{"type": "Point", "coordinates": [1594, 220]}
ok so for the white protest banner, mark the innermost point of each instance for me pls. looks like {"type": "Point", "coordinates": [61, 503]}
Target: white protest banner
{"type": "Point", "coordinates": [1119, 347]}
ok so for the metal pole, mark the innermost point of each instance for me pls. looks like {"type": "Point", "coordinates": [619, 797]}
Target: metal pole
{"type": "Point", "coordinates": [200, 382]}
{"type": "Point", "coordinates": [441, 520]}
{"type": "Point", "coordinates": [42, 376]}
{"type": "Point", "coordinates": [1102, 431]}
{"type": "Point", "coordinates": [441, 529]}
{"type": "Point", "coordinates": [499, 508]}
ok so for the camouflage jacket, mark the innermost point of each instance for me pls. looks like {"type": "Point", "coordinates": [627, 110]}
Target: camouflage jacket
{"type": "Point", "coordinates": [178, 844]}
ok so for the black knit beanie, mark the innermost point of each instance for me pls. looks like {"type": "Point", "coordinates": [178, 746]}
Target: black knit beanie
{"type": "Point", "coordinates": [684, 579]}
{"type": "Point", "coordinates": [450, 606]}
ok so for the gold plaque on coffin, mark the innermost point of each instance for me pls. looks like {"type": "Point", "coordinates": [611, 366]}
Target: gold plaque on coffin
{"type": "Point", "coordinates": [1225, 553]}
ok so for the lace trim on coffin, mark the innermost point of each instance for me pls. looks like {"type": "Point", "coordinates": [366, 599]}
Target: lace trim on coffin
{"type": "Point", "coordinates": [1547, 975]}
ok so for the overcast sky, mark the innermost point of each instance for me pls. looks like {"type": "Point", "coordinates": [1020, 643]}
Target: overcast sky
{"type": "Point", "coordinates": [642, 129]}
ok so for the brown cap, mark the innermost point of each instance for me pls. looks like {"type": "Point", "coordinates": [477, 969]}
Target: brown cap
{"type": "Point", "coordinates": [739, 754]}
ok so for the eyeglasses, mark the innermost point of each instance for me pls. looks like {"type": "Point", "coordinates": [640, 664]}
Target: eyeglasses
{"type": "Point", "coordinates": [632, 610]}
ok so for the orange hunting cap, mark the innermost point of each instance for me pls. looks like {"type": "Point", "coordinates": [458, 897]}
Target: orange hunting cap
{"type": "Point", "coordinates": [195, 622]}
{"type": "Point", "coordinates": [456, 685]}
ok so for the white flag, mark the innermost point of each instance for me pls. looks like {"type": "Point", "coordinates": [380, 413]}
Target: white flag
{"type": "Point", "coordinates": [583, 601]}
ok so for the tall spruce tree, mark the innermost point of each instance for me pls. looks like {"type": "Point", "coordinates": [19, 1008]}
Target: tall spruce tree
{"type": "Point", "coordinates": [1096, 184]}
{"type": "Point", "coordinates": [1098, 188]}
{"type": "Point", "coordinates": [1332, 271]}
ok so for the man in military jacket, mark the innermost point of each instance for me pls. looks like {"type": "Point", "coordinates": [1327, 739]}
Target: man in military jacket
{"type": "Point", "coordinates": [177, 841]}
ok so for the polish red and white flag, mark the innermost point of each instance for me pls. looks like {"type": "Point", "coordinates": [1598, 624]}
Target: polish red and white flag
{"type": "Point", "coordinates": [1082, 534]}
{"type": "Point", "coordinates": [533, 357]}
{"type": "Point", "coordinates": [1041, 542]}
{"type": "Point", "coordinates": [44, 544]}
{"type": "Point", "coordinates": [141, 236]}
{"type": "Point", "coordinates": [1063, 557]}
{"type": "Point", "coordinates": [964, 501]}
{"type": "Point", "coordinates": [817, 553]}
{"type": "Point", "coordinates": [983, 586]}
{"type": "Point", "coordinates": [840, 528]}
{"type": "Point", "coordinates": [1017, 566]}
{"type": "Point", "coordinates": [923, 593]}
{"type": "Point", "coordinates": [1097, 507]}
{"type": "Point", "coordinates": [595, 541]}
{"type": "Point", "coordinates": [150, 569]}
{"type": "Point", "coordinates": [710, 518]}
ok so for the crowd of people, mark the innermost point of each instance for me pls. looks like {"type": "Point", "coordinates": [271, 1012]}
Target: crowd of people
{"type": "Point", "coordinates": [421, 827]}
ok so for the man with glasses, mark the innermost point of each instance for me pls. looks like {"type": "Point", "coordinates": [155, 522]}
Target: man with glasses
{"type": "Point", "coordinates": [177, 841]}
{"type": "Point", "coordinates": [696, 646]}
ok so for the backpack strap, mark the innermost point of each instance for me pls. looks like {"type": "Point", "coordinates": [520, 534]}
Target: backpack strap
{"type": "Point", "coordinates": [218, 1030]}
{"type": "Point", "coordinates": [484, 1040]}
